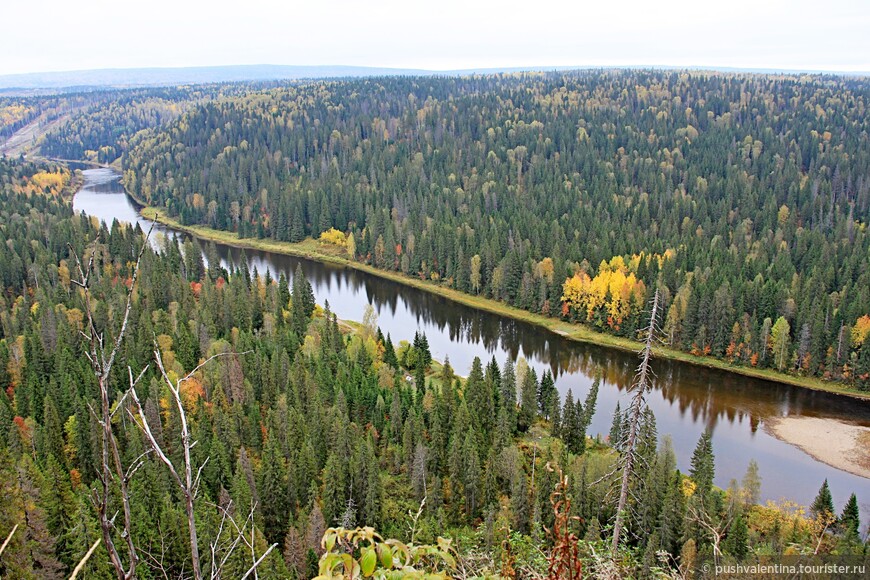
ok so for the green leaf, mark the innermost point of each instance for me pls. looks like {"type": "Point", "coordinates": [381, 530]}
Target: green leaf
{"type": "Point", "coordinates": [386, 555]}
{"type": "Point", "coordinates": [368, 561]}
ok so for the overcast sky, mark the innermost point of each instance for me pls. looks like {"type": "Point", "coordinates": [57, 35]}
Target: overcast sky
{"type": "Point", "coordinates": [50, 35]}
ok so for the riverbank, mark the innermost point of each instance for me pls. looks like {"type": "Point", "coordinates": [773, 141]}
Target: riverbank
{"type": "Point", "coordinates": [835, 443]}
{"type": "Point", "coordinates": [314, 250]}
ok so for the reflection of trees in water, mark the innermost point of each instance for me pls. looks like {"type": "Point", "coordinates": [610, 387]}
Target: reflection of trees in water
{"type": "Point", "coordinates": [706, 396]}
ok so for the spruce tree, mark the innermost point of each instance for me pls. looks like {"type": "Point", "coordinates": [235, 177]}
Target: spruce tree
{"type": "Point", "coordinates": [273, 487]}
{"type": "Point", "coordinates": [479, 399]}
{"type": "Point", "coordinates": [529, 403]}
{"type": "Point", "coordinates": [471, 476]}
{"type": "Point", "coordinates": [737, 541]}
{"type": "Point", "coordinates": [390, 353]}
{"type": "Point", "coordinates": [546, 392]}
{"type": "Point", "coordinates": [823, 505]}
{"type": "Point", "coordinates": [334, 488]}
{"type": "Point", "coordinates": [569, 431]}
{"type": "Point", "coordinates": [615, 435]}
{"type": "Point", "coordinates": [520, 502]}
{"type": "Point", "coordinates": [702, 465]}
{"type": "Point", "coordinates": [849, 521]}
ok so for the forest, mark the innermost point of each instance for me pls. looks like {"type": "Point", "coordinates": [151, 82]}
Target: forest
{"type": "Point", "coordinates": [744, 198]}
{"type": "Point", "coordinates": [164, 418]}
{"type": "Point", "coordinates": [97, 125]}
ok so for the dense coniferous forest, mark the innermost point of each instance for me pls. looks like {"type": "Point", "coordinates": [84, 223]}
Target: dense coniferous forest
{"type": "Point", "coordinates": [97, 125]}
{"type": "Point", "coordinates": [745, 198]}
{"type": "Point", "coordinates": [291, 421]}
{"type": "Point", "coordinates": [102, 130]}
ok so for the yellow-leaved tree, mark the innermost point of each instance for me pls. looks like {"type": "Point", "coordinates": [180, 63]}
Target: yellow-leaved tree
{"type": "Point", "coordinates": [614, 294]}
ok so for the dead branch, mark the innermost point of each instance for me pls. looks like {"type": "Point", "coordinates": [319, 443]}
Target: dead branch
{"type": "Point", "coordinates": [638, 404]}
{"type": "Point", "coordinates": [8, 539]}
{"type": "Point", "coordinates": [183, 475]}
{"type": "Point", "coordinates": [102, 361]}
{"type": "Point", "coordinates": [253, 569]}
{"type": "Point", "coordinates": [85, 559]}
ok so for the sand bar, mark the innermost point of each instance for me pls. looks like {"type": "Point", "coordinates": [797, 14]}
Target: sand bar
{"type": "Point", "coordinates": [839, 444]}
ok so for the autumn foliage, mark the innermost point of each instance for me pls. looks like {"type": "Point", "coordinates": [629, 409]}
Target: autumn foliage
{"type": "Point", "coordinates": [611, 296]}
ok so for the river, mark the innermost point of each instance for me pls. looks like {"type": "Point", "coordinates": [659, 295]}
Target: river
{"type": "Point", "coordinates": [686, 399]}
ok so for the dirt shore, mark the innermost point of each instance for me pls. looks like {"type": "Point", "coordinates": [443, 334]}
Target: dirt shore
{"type": "Point", "coordinates": [839, 444]}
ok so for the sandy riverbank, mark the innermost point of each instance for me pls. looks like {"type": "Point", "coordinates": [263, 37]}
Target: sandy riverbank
{"type": "Point", "coordinates": [836, 443]}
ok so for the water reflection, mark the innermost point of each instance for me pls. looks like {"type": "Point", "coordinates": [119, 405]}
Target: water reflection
{"type": "Point", "coordinates": [686, 399]}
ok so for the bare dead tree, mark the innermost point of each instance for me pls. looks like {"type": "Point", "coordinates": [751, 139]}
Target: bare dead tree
{"type": "Point", "coordinates": [639, 387]}
{"type": "Point", "coordinates": [183, 475]}
{"type": "Point", "coordinates": [717, 527]}
{"type": "Point", "coordinates": [102, 358]}
{"type": "Point", "coordinates": [239, 536]}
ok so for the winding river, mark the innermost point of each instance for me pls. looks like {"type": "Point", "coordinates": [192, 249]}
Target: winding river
{"type": "Point", "coordinates": [687, 399]}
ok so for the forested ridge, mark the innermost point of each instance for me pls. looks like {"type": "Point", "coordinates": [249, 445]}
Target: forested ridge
{"type": "Point", "coordinates": [103, 129]}
{"type": "Point", "coordinates": [297, 422]}
{"type": "Point", "coordinates": [744, 198]}
{"type": "Point", "coordinates": [97, 125]}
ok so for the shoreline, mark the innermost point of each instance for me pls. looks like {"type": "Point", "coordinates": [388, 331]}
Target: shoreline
{"type": "Point", "coordinates": [841, 445]}
{"type": "Point", "coordinates": [313, 250]}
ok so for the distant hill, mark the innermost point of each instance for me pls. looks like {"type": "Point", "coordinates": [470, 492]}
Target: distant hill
{"type": "Point", "coordinates": [190, 75]}
{"type": "Point", "coordinates": [43, 82]}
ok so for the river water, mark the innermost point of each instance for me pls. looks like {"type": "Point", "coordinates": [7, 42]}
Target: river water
{"type": "Point", "coordinates": [686, 400]}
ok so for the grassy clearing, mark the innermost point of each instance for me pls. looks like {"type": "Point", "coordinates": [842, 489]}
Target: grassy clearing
{"type": "Point", "coordinates": [313, 250]}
